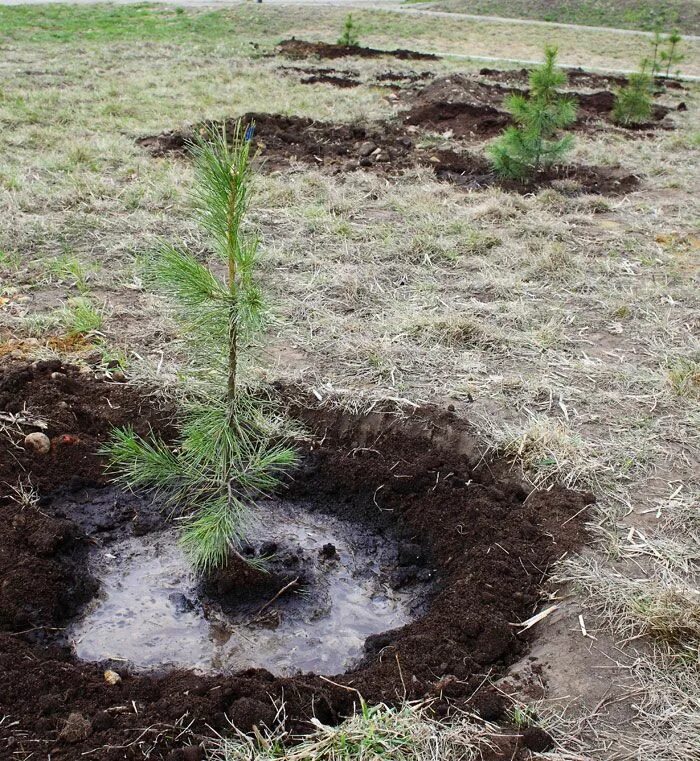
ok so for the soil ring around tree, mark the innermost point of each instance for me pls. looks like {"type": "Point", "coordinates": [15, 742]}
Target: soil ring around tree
{"type": "Point", "coordinates": [387, 149]}
{"type": "Point", "coordinates": [420, 476]}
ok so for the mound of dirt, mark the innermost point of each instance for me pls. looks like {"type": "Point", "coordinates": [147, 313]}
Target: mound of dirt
{"type": "Point", "coordinates": [463, 120]}
{"type": "Point", "coordinates": [489, 542]}
{"type": "Point", "coordinates": [389, 149]}
{"type": "Point", "coordinates": [75, 411]}
{"type": "Point", "coordinates": [471, 108]}
{"type": "Point", "coordinates": [300, 49]}
{"type": "Point", "coordinates": [351, 78]}
{"type": "Point", "coordinates": [577, 77]}
{"type": "Point", "coordinates": [285, 139]}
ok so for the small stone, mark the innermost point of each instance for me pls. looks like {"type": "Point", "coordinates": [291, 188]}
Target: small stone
{"type": "Point", "coordinates": [39, 442]}
{"type": "Point", "coordinates": [118, 376]}
{"type": "Point", "coordinates": [367, 149]}
{"type": "Point", "coordinates": [67, 439]}
{"type": "Point", "coordinates": [58, 376]}
{"type": "Point", "coordinates": [76, 729]}
{"type": "Point", "coordinates": [111, 677]}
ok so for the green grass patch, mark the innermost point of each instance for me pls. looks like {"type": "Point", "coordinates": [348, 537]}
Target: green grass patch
{"type": "Point", "coordinates": [624, 14]}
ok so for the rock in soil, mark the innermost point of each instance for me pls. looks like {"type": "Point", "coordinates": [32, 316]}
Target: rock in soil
{"type": "Point", "coordinates": [76, 729]}
{"type": "Point", "coordinates": [38, 442]}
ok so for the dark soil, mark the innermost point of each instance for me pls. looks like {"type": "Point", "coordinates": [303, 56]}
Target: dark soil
{"type": "Point", "coordinates": [474, 173]}
{"type": "Point", "coordinates": [388, 149]}
{"type": "Point", "coordinates": [394, 80]}
{"type": "Point", "coordinates": [284, 139]}
{"type": "Point", "coordinates": [471, 108]}
{"type": "Point", "coordinates": [461, 119]}
{"type": "Point", "coordinates": [577, 77]}
{"type": "Point", "coordinates": [78, 411]}
{"type": "Point", "coordinates": [301, 49]}
{"type": "Point", "coordinates": [421, 477]}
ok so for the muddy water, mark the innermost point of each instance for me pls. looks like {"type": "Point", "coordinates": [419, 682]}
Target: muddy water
{"type": "Point", "coordinates": [148, 613]}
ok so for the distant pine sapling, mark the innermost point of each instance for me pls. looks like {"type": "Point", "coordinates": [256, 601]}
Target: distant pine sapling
{"type": "Point", "coordinates": [529, 145]}
{"type": "Point", "coordinates": [228, 453]}
{"type": "Point", "coordinates": [349, 37]}
{"type": "Point", "coordinates": [633, 103]}
{"type": "Point", "coordinates": [671, 56]}
{"type": "Point", "coordinates": [656, 42]}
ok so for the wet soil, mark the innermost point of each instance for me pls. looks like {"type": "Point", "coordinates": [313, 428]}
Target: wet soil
{"type": "Point", "coordinates": [420, 477]}
{"type": "Point", "coordinates": [387, 149]}
{"type": "Point", "coordinates": [333, 582]}
{"type": "Point", "coordinates": [301, 49]}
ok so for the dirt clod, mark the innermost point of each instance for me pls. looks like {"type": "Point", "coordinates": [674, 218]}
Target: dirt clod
{"type": "Point", "coordinates": [537, 740]}
{"type": "Point", "coordinates": [76, 729]}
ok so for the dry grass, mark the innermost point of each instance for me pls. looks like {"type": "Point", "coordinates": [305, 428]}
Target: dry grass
{"type": "Point", "coordinates": [374, 733]}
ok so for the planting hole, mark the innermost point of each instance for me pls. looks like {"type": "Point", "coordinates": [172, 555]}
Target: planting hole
{"type": "Point", "coordinates": [153, 612]}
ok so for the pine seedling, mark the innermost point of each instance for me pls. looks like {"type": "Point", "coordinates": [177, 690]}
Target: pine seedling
{"type": "Point", "coordinates": [350, 36]}
{"type": "Point", "coordinates": [531, 144]}
{"type": "Point", "coordinates": [656, 43]}
{"type": "Point", "coordinates": [671, 56]}
{"type": "Point", "coordinates": [228, 453]}
{"type": "Point", "coordinates": [633, 103]}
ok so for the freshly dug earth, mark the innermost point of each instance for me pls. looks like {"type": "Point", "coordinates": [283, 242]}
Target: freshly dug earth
{"type": "Point", "coordinates": [468, 107]}
{"type": "Point", "coordinates": [301, 49]}
{"type": "Point", "coordinates": [577, 77]}
{"type": "Point", "coordinates": [388, 149]}
{"type": "Point", "coordinates": [488, 542]}
{"type": "Point", "coordinates": [393, 80]}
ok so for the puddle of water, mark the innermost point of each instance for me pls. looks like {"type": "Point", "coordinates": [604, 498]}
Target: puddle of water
{"type": "Point", "coordinates": [144, 615]}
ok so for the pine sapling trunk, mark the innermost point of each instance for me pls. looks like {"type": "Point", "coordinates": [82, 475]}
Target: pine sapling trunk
{"type": "Point", "coordinates": [233, 311]}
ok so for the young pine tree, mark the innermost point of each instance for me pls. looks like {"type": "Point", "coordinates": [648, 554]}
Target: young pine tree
{"type": "Point", "coordinates": [656, 42]}
{"type": "Point", "coordinates": [529, 145]}
{"type": "Point", "coordinates": [633, 103]}
{"type": "Point", "coordinates": [228, 452]}
{"type": "Point", "coordinates": [349, 37]}
{"type": "Point", "coordinates": [671, 56]}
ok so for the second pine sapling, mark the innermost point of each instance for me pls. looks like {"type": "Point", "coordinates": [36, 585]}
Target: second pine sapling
{"type": "Point", "coordinates": [671, 56]}
{"type": "Point", "coordinates": [532, 143]}
{"type": "Point", "coordinates": [633, 103]}
{"type": "Point", "coordinates": [349, 37]}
